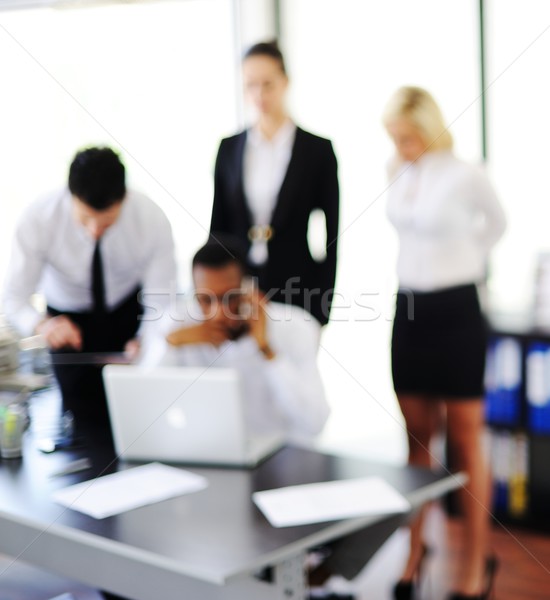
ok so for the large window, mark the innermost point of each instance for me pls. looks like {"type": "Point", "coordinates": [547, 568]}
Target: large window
{"type": "Point", "coordinates": [155, 80]}
{"type": "Point", "coordinates": [518, 42]}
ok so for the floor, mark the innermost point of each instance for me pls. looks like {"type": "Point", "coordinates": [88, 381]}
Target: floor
{"type": "Point", "coordinates": [524, 571]}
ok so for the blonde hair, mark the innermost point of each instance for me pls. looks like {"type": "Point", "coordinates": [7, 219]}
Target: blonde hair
{"type": "Point", "coordinates": [418, 106]}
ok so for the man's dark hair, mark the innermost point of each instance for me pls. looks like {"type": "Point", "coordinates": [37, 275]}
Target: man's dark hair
{"type": "Point", "coordinates": [97, 178]}
{"type": "Point", "coordinates": [219, 251]}
{"type": "Point", "coordinates": [270, 49]}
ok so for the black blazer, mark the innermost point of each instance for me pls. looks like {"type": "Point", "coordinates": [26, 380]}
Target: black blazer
{"type": "Point", "coordinates": [311, 182]}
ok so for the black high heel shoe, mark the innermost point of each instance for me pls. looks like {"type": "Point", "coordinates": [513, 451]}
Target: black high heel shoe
{"type": "Point", "coordinates": [405, 589]}
{"type": "Point", "coordinates": [491, 565]}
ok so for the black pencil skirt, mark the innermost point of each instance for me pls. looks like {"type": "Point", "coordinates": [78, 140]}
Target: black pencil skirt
{"type": "Point", "coordinates": [439, 342]}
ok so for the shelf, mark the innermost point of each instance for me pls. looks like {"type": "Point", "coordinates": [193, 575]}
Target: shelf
{"type": "Point", "coordinates": [518, 368]}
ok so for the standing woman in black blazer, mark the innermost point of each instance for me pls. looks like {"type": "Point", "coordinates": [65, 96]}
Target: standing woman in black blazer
{"type": "Point", "coordinates": [268, 180]}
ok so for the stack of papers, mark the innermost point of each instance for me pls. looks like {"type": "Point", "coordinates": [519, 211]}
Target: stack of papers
{"type": "Point", "coordinates": [113, 494]}
{"type": "Point", "coordinates": [333, 500]}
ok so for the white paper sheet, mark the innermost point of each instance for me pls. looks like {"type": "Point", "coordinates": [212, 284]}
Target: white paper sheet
{"type": "Point", "coordinates": [116, 493]}
{"type": "Point", "coordinates": [328, 501]}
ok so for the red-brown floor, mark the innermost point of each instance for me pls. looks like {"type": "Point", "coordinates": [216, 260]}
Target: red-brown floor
{"type": "Point", "coordinates": [523, 573]}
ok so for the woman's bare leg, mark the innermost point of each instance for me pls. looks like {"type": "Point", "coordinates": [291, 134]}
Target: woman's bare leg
{"type": "Point", "coordinates": [421, 418]}
{"type": "Point", "coordinates": [465, 421]}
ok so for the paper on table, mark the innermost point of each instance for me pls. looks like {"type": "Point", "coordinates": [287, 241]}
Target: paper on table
{"type": "Point", "coordinates": [328, 501]}
{"type": "Point", "coordinates": [112, 494]}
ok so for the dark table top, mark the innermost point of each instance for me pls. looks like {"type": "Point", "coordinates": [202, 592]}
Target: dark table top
{"type": "Point", "coordinates": [212, 535]}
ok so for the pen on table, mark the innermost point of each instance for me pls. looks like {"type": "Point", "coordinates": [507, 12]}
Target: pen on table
{"type": "Point", "coordinates": [73, 467]}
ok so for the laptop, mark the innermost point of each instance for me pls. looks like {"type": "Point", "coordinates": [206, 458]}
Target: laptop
{"type": "Point", "coordinates": [182, 415]}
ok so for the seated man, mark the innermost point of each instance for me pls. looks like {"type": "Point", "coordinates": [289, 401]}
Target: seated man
{"type": "Point", "coordinates": [90, 248]}
{"type": "Point", "coordinates": [274, 346]}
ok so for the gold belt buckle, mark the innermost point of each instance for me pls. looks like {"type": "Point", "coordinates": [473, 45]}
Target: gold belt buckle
{"type": "Point", "coordinates": [260, 233]}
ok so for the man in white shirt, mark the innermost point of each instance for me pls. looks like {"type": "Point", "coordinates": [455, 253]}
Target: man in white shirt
{"type": "Point", "coordinates": [230, 324]}
{"type": "Point", "coordinates": [91, 249]}
{"type": "Point", "coordinates": [274, 346]}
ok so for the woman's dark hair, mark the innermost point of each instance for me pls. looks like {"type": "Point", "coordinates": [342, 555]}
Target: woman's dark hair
{"type": "Point", "coordinates": [97, 178]}
{"type": "Point", "coordinates": [270, 49]}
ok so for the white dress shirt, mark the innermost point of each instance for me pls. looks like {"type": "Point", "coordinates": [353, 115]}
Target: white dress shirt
{"type": "Point", "coordinates": [283, 395]}
{"type": "Point", "coordinates": [447, 217]}
{"type": "Point", "coordinates": [52, 254]}
{"type": "Point", "coordinates": [265, 165]}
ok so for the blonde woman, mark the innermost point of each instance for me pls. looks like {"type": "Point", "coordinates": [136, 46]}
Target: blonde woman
{"type": "Point", "coordinates": [447, 218]}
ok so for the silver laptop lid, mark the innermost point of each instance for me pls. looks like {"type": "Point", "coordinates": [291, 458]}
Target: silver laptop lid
{"type": "Point", "coordinates": [177, 414]}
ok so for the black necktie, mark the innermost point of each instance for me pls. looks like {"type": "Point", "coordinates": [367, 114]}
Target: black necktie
{"type": "Point", "coordinates": [98, 283]}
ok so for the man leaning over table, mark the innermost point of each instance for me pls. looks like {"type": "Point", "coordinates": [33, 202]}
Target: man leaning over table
{"type": "Point", "coordinates": [90, 248]}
